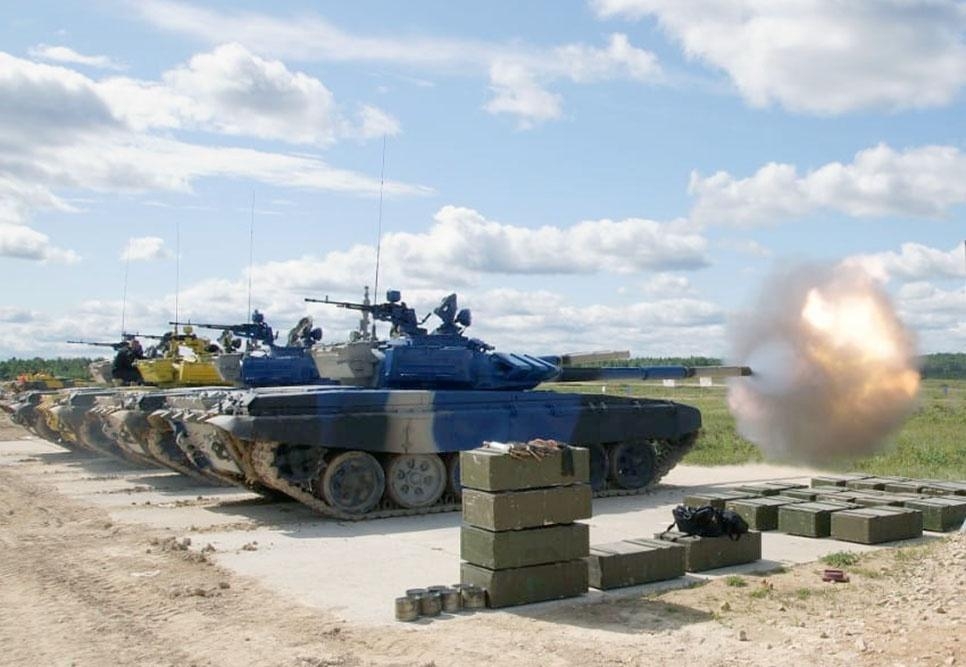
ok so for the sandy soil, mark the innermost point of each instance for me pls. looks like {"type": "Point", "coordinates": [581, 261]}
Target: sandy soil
{"type": "Point", "coordinates": [77, 589]}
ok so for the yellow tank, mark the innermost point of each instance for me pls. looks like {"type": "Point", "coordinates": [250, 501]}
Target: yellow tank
{"type": "Point", "coordinates": [48, 408]}
{"type": "Point", "coordinates": [186, 363]}
{"type": "Point", "coordinates": [39, 381]}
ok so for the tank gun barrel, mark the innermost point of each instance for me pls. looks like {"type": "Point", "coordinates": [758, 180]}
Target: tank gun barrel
{"type": "Point", "coordinates": [395, 311]}
{"type": "Point", "coordinates": [113, 346]}
{"type": "Point", "coordinates": [366, 307]}
{"type": "Point", "coordinates": [132, 336]}
{"type": "Point", "coordinates": [574, 358]}
{"type": "Point", "coordinates": [571, 374]}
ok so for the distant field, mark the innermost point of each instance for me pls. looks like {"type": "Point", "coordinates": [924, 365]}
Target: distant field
{"type": "Point", "coordinates": [932, 443]}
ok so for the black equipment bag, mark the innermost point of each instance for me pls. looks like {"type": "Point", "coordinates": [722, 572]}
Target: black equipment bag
{"type": "Point", "coordinates": [706, 521]}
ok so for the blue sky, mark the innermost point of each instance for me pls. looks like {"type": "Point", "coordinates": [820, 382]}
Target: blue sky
{"type": "Point", "coordinates": [606, 174]}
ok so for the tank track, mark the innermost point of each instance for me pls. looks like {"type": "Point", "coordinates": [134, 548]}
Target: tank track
{"type": "Point", "coordinates": [259, 460]}
{"type": "Point", "coordinates": [154, 442]}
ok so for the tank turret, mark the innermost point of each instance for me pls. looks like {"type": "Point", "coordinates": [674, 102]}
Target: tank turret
{"type": "Point", "coordinates": [445, 358]}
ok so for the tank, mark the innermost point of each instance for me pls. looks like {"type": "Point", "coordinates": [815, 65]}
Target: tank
{"type": "Point", "coordinates": [25, 410]}
{"type": "Point", "coordinates": [386, 442]}
{"type": "Point", "coordinates": [265, 364]}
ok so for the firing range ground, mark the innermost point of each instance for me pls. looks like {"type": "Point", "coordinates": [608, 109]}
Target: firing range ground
{"type": "Point", "coordinates": [357, 569]}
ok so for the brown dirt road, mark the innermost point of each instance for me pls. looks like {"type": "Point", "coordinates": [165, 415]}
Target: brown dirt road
{"type": "Point", "coordinates": [77, 589]}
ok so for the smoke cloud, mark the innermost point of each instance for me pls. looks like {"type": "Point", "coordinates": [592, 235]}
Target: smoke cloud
{"type": "Point", "coordinates": [834, 368]}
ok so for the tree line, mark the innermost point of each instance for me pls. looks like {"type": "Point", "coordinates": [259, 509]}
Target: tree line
{"type": "Point", "coordinates": [73, 367]}
{"type": "Point", "coordinates": [945, 365]}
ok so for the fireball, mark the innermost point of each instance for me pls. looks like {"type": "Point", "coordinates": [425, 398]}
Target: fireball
{"type": "Point", "coordinates": [834, 367]}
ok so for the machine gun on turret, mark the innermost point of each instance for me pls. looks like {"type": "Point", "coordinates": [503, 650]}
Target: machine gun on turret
{"type": "Point", "coordinates": [114, 346]}
{"type": "Point", "coordinates": [125, 341]}
{"type": "Point", "coordinates": [256, 331]}
{"type": "Point", "coordinates": [395, 311]}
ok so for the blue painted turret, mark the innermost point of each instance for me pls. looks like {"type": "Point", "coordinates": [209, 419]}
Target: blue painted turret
{"type": "Point", "coordinates": [265, 364]}
{"type": "Point", "coordinates": [445, 358]}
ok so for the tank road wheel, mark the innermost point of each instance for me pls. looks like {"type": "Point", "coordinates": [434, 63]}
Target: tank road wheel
{"type": "Point", "coordinates": [353, 482]}
{"type": "Point", "coordinates": [453, 484]}
{"type": "Point", "coordinates": [632, 464]}
{"type": "Point", "coordinates": [598, 466]}
{"type": "Point", "coordinates": [415, 480]}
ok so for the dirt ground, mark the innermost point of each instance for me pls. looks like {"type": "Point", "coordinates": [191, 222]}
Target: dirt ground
{"type": "Point", "coordinates": [77, 589]}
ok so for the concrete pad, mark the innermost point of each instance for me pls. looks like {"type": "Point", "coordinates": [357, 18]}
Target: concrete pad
{"type": "Point", "coordinates": [357, 569]}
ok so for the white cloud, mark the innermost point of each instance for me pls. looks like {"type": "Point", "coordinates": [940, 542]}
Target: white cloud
{"type": "Point", "coordinates": [584, 64]}
{"type": "Point", "coordinates": [16, 315]}
{"type": "Point", "coordinates": [519, 74]}
{"type": "Point", "coordinates": [537, 322]}
{"type": "Point", "coordinates": [914, 262]}
{"type": "Point", "coordinates": [929, 308]}
{"type": "Point", "coordinates": [145, 248]}
{"type": "Point", "coordinates": [918, 182]}
{"type": "Point", "coordinates": [463, 250]}
{"type": "Point", "coordinates": [820, 56]}
{"type": "Point", "coordinates": [546, 322]}
{"type": "Point", "coordinates": [60, 129]}
{"type": "Point", "coordinates": [668, 285]}
{"type": "Point", "coordinates": [21, 242]}
{"type": "Point", "coordinates": [516, 92]}
{"type": "Point", "coordinates": [306, 36]}
{"type": "Point", "coordinates": [518, 80]}
{"type": "Point", "coordinates": [463, 237]}
{"type": "Point", "coordinates": [64, 54]}
{"type": "Point", "coordinates": [233, 91]}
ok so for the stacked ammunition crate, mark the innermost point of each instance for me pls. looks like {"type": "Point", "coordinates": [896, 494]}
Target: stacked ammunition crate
{"type": "Point", "coordinates": [519, 539]}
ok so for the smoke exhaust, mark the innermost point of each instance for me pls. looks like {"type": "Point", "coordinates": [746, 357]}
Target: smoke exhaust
{"type": "Point", "coordinates": [834, 368]}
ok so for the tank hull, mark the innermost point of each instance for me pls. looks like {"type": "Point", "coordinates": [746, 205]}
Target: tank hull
{"type": "Point", "coordinates": [415, 422]}
{"type": "Point", "coordinates": [292, 440]}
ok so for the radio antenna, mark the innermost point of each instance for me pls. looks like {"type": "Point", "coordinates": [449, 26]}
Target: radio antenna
{"type": "Point", "coordinates": [251, 256]}
{"type": "Point", "coordinates": [127, 269]}
{"type": "Point", "coordinates": [382, 183]}
{"type": "Point", "coordinates": [177, 272]}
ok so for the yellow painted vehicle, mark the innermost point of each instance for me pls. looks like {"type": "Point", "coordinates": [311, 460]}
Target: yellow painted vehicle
{"type": "Point", "coordinates": [187, 362]}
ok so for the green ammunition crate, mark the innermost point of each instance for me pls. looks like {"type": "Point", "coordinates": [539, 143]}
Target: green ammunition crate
{"type": "Point", "coordinates": [523, 585]}
{"type": "Point", "coordinates": [937, 488]}
{"type": "Point", "coordinates": [760, 513]}
{"type": "Point", "coordinates": [513, 510]}
{"type": "Point", "coordinates": [766, 488]}
{"type": "Point", "coordinates": [872, 483]}
{"type": "Point", "coordinates": [710, 553]}
{"type": "Point", "coordinates": [910, 486]}
{"type": "Point", "coordinates": [634, 562]}
{"type": "Point", "coordinates": [490, 470]}
{"type": "Point", "coordinates": [836, 496]}
{"type": "Point", "coordinates": [874, 525]}
{"type": "Point", "coordinates": [505, 549]}
{"type": "Point", "coordinates": [716, 499]}
{"type": "Point", "coordinates": [809, 519]}
{"type": "Point", "coordinates": [803, 494]}
{"type": "Point", "coordinates": [835, 480]}
{"type": "Point", "coordinates": [876, 499]}
{"type": "Point", "coordinates": [940, 514]}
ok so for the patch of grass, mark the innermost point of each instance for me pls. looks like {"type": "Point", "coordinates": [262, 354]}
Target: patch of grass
{"type": "Point", "coordinates": [803, 593]}
{"type": "Point", "coordinates": [909, 554]}
{"type": "Point", "coordinates": [866, 572]}
{"type": "Point", "coordinates": [760, 592]}
{"type": "Point", "coordinates": [735, 581]}
{"type": "Point", "coordinates": [841, 559]}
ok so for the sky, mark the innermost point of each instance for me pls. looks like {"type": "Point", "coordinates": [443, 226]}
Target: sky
{"type": "Point", "coordinates": [606, 174]}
